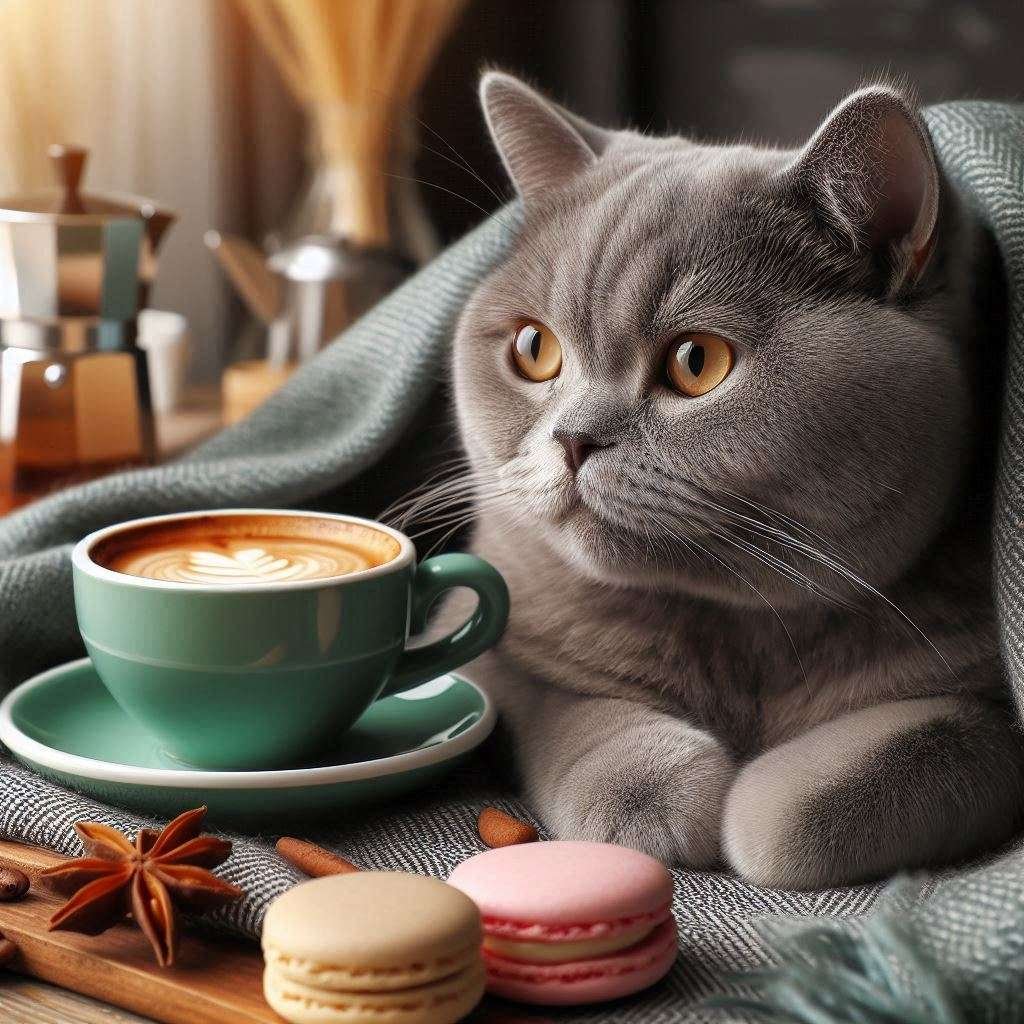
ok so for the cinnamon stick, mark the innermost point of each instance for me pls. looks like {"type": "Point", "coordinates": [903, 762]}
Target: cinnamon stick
{"type": "Point", "coordinates": [313, 860]}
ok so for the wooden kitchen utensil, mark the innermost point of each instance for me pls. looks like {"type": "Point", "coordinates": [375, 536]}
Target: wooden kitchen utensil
{"type": "Point", "coordinates": [216, 980]}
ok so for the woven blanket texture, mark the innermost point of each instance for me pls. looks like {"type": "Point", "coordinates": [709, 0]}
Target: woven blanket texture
{"type": "Point", "coordinates": [329, 439]}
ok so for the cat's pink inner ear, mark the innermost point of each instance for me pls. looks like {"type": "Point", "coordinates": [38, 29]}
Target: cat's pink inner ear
{"type": "Point", "coordinates": [538, 142]}
{"type": "Point", "coordinates": [906, 208]}
{"type": "Point", "coordinates": [872, 168]}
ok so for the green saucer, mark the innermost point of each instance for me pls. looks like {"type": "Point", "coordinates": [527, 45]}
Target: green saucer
{"type": "Point", "coordinates": [64, 725]}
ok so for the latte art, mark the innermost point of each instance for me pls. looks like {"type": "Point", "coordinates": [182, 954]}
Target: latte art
{"type": "Point", "coordinates": [286, 561]}
{"type": "Point", "coordinates": [238, 549]}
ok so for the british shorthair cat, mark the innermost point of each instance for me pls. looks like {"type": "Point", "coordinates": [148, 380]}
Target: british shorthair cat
{"type": "Point", "coordinates": [725, 425]}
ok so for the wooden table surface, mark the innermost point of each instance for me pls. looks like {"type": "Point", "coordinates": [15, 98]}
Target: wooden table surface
{"type": "Point", "coordinates": [26, 1001]}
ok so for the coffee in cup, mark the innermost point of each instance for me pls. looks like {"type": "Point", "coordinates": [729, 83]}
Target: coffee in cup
{"type": "Point", "coordinates": [227, 550]}
{"type": "Point", "coordinates": [248, 638]}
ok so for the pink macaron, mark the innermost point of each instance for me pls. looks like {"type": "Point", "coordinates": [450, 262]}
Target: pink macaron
{"type": "Point", "coordinates": [571, 923]}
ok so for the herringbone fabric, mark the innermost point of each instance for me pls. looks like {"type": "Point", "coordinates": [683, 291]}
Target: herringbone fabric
{"type": "Point", "coordinates": [326, 431]}
{"type": "Point", "coordinates": [982, 146]}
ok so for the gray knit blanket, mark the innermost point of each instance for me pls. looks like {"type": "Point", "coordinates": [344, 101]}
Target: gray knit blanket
{"type": "Point", "coordinates": [330, 437]}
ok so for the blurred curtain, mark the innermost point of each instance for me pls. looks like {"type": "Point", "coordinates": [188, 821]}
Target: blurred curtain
{"type": "Point", "coordinates": [165, 94]}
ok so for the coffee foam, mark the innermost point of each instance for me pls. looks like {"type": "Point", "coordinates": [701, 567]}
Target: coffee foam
{"type": "Point", "coordinates": [244, 549]}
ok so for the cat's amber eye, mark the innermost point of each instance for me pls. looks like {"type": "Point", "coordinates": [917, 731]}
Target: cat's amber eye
{"type": "Point", "coordinates": [698, 363]}
{"type": "Point", "coordinates": [536, 352]}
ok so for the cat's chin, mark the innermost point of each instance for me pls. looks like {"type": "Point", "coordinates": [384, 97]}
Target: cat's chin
{"type": "Point", "coordinates": [611, 552]}
{"type": "Point", "coordinates": [604, 552]}
{"type": "Point", "coordinates": [611, 567]}
{"type": "Point", "coordinates": [598, 549]}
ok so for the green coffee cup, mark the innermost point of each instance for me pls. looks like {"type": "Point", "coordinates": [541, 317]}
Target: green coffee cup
{"type": "Point", "coordinates": [240, 657]}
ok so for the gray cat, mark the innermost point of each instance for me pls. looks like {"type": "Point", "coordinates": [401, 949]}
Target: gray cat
{"type": "Point", "coordinates": [722, 415]}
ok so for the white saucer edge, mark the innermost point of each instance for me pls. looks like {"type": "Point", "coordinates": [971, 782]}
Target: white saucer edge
{"type": "Point", "coordinates": [283, 778]}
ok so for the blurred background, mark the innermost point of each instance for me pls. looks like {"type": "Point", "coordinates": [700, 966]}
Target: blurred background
{"type": "Point", "coordinates": [181, 99]}
{"type": "Point", "coordinates": [341, 141]}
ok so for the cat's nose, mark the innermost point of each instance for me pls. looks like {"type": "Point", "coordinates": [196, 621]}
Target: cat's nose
{"type": "Point", "coordinates": [578, 447]}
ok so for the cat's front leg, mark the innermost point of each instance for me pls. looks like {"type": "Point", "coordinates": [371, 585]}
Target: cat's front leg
{"type": "Point", "coordinates": [611, 770]}
{"type": "Point", "coordinates": [908, 784]}
{"type": "Point", "coordinates": [615, 771]}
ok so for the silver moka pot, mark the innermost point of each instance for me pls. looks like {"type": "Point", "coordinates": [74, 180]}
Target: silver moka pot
{"type": "Point", "coordinates": [308, 291]}
{"type": "Point", "coordinates": [75, 268]}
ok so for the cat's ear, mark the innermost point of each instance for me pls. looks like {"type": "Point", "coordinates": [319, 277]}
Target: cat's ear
{"type": "Point", "coordinates": [871, 172]}
{"type": "Point", "coordinates": [541, 144]}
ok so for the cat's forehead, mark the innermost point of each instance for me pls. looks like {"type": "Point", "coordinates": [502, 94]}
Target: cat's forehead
{"type": "Point", "coordinates": [656, 224]}
{"type": "Point", "coordinates": [668, 189]}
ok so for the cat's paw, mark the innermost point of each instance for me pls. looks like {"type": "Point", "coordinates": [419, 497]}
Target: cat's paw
{"type": "Point", "coordinates": [658, 788]}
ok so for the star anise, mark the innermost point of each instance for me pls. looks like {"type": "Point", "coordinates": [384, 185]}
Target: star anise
{"type": "Point", "coordinates": [148, 879]}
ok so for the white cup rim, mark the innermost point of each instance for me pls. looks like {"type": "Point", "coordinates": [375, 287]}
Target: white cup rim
{"type": "Point", "coordinates": [81, 559]}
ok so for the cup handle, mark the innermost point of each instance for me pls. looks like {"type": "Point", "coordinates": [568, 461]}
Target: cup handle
{"type": "Point", "coordinates": [480, 631]}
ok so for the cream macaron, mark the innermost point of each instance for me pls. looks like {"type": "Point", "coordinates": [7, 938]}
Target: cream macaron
{"type": "Point", "coordinates": [373, 948]}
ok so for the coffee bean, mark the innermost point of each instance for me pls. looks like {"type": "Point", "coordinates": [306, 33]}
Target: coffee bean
{"type": "Point", "coordinates": [13, 884]}
{"type": "Point", "coordinates": [8, 950]}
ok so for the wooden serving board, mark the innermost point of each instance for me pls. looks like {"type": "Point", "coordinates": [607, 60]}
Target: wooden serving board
{"type": "Point", "coordinates": [216, 981]}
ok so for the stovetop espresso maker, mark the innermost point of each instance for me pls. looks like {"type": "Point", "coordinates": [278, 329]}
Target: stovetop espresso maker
{"type": "Point", "coordinates": [75, 269]}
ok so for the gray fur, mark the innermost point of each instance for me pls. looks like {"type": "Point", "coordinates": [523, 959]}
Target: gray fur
{"type": "Point", "coordinates": [730, 628]}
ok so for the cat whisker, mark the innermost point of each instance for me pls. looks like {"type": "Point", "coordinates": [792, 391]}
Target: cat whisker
{"type": "Point", "coordinates": [780, 566]}
{"type": "Point", "coordinates": [460, 520]}
{"type": "Point", "coordinates": [775, 514]}
{"type": "Point", "coordinates": [440, 188]}
{"type": "Point", "coordinates": [428, 524]}
{"type": "Point", "coordinates": [774, 535]}
{"type": "Point", "coordinates": [775, 612]}
{"type": "Point", "coordinates": [437, 492]}
{"type": "Point", "coordinates": [767, 531]}
{"type": "Point", "coordinates": [458, 161]}
{"type": "Point", "coordinates": [441, 542]}
{"type": "Point", "coordinates": [844, 572]}
{"type": "Point", "coordinates": [433, 493]}
{"type": "Point", "coordinates": [851, 577]}
{"type": "Point", "coordinates": [441, 476]}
